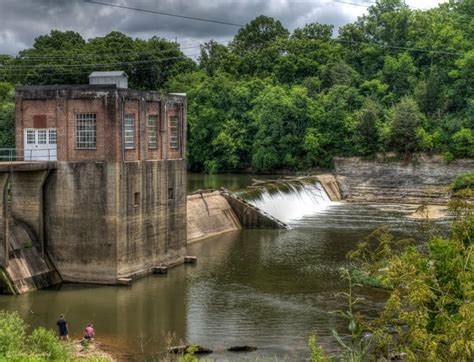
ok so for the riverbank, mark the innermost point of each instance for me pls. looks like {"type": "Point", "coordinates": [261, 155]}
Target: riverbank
{"type": "Point", "coordinates": [94, 351]}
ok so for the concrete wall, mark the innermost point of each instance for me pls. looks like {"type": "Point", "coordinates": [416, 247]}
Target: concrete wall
{"type": "Point", "coordinates": [251, 217]}
{"type": "Point", "coordinates": [108, 220]}
{"type": "Point", "coordinates": [209, 214]}
{"type": "Point", "coordinates": [425, 179]}
{"type": "Point", "coordinates": [152, 214]}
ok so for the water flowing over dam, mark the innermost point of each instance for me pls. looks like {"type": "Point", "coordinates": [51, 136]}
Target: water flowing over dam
{"type": "Point", "coordinates": [289, 200]}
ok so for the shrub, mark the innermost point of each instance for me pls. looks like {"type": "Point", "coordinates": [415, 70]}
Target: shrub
{"type": "Point", "coordinates": [43, 342]}
{"type": "Point", "coordinates": [464, 181]}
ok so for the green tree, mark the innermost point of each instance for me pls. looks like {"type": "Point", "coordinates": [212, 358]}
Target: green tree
{"type": "Point", "coordinates": [463, 143]}
{"type": "Point", "coordinates": [367, 127]}
{"type": "Point", "coordinates": [406, 120]}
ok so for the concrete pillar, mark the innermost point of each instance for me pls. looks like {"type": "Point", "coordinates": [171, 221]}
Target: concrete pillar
{"type": "Point", "coordinates": [27, 202]}
{"type": "Point", "coordinates": [4, 232]}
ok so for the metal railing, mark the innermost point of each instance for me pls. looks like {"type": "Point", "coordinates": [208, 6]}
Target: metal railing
{"type": "Point", "coordinates": [33, 155]}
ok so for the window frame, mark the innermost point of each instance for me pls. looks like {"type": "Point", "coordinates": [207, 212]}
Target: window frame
{"type": "Point", "coordinates": [174, 140]}
{"type": "Point", "coordinates": [129, 131]}
{"type": "Point", "coordinates": [153, 125]}
{"type": "Point", "coordinates": [85, 139]}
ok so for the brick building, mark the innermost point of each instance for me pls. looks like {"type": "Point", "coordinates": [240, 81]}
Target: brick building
{"type": "Point", "coordinates": [111, 203]}
{"type": "Point", "coordinates": [98, 123]}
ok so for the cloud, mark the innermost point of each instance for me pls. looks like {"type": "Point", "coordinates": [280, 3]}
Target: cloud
{"type": "Point", "coordinates": [22, 21]}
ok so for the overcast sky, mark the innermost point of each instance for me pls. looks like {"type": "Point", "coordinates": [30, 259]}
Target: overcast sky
{"type": "Point", "coordinates": [23, 20]}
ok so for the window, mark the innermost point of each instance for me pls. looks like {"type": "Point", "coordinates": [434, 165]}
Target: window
{"type": "Point", "coordinates": [152, 134]}
{"type": "Point", "coordinates": [129, 130]}
{"type": "Point", "coordinates": [170, 193]}
{"type": "Point", "coordinates": [86, 131]}
{"type": "Point", "coordinates": [174, 132]}
{"type": "Point", "coordinates": [52, 137]}
{"type": "Point", "coordinates": [42, 136]}
{"type": "Point", "coordinates": [30, 137]}
{"type": "Point", "coordinates": [136, 199]}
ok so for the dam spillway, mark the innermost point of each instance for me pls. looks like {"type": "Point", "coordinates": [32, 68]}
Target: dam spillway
{"type": "Point", "coordinates": [289, 200]}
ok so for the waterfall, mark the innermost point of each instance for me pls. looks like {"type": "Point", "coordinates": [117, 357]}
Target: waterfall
{"type": "Point", "coordinates": [288, 200]}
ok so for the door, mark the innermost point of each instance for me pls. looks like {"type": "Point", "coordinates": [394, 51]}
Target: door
{"type": "Point", "coordinates": [40, 144]}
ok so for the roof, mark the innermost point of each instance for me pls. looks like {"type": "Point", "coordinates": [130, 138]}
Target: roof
{"type": "Point", "coordinates": [116, 73]}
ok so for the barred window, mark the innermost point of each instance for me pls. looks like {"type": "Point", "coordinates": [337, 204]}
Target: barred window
{"type": "Point", "coordinates": [30, 137]}
{"type": "Point", "coordinates": [174, 132]}
{"type": "Point", "coordinates": [129, 130]}
{"type": "Point", "coordinates": [86, 131]}
{"type": "Point", "coordinates": [152, 131]}
{"type": "Point", "coordinates": [52, 137]}
{"type": "Point", "coordinates": [42, 136]}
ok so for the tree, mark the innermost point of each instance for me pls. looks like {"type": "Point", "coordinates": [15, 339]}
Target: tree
{"type": "Point", "coordinates": [314, 31]}
{"type": "Point", "coordinates": [399, 73]}
{"type": "Point", "coordinates": [258, 34]}
{"type": "Point", "coordinates": [368, 134]}
{"type": "Point", "coordinates": [406, 120]}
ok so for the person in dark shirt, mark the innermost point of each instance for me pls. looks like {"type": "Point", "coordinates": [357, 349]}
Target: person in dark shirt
{"type": "Point", "coordinates": [63, 328]}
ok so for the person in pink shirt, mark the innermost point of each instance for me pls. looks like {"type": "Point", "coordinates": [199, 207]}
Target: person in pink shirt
{"type": "Point", "coordinates": [89, 332]}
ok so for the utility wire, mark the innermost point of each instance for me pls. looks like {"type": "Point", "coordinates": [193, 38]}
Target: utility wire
{"type": "Point", "coordinates": [26, 57]}
{"type": "Point", "coordinates": [97, 64]}
{"type": "Point", "coordinates": [163, 13]}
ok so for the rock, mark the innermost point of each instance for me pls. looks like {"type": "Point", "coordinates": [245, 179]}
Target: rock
{"type": "Point", "coordinates": [242, 349]}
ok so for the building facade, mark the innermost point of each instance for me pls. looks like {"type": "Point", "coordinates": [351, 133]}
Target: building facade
{"type": "Point", "coordinates": [114, 206]}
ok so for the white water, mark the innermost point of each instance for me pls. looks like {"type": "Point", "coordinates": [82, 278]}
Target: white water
{"type": "Point", "coordinates": [292, 202]}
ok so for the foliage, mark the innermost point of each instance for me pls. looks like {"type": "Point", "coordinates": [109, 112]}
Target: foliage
{"type": "Point", "coordinates": [375, 86]}
{"type": "Point", "coordinates": [189, 356]}
{"type": "Point", "coordinates": [16, 344]}
{"type": "Point", "coordinates": [429, 313]}
{"type": "Point", "coordinates": [406, 121]}
{"type": "Point", "coordinates": [463, 181]}
{"type": "Point", "coordinates": [356, 346]}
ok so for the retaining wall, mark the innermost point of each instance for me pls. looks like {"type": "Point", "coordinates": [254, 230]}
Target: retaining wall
{"type": "Point", "coordinates": [424, 179]}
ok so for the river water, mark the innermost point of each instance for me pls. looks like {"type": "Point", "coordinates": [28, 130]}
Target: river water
{"type": "Point", "coordinates": [266, 288]}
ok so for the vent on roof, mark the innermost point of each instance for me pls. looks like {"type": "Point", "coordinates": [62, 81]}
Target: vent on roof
{"type": "Point", "coordinates": [119, 78]}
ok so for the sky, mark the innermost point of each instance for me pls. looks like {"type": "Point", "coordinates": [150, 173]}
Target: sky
{"type": "Point", "coordinates": [23, 20]}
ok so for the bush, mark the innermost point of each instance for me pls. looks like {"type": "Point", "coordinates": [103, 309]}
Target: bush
{"type": "Point", "coordinates": [12, 334]}
{"type": "Point", "coordinates": [464, 181]}
{"type": "Point", "coordinates": [463, 143]}
{"type": "Point", "coordinates": [15, 344]}
{"type": "Point", "coordinates": [44, 342]}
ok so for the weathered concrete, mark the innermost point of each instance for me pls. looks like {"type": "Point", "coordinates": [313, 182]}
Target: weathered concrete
{"type": "Point", "coordinates": [22, 256]}
{"type": "Point", "coordinates": [424, 180]}
{"type": "Point", "coordinates": [331, 186]}
{"type": "Point", "coordinates": [209, 214]}
{"type": "Point", "coordinates": [251, 217]}
{"type": "Point", "coordinates": [28, 270]}
{"type": "Point", "coordinates": [4, 229]}
{"type": "Point", "coordinates": [26, 189]}
{"type": "Point", "coordinates": [20, 166]}
{"type": "Point", "coordinates": [112, 220]}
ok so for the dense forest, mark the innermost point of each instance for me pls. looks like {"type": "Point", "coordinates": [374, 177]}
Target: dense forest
{"type": "Point", "coordinates": [396, 80]}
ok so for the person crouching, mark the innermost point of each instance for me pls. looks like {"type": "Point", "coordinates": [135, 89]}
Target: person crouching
{"type": "Point", "coordinates": [89, 332]}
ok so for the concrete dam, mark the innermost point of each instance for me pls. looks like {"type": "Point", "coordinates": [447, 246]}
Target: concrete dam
{"type": "Point", "coordinates": [47, 238]}
{"type": "Point", "coordinates": [44, 241]}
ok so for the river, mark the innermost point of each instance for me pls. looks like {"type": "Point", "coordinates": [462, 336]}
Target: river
{"type": "Point", "coordinates": [266, 288]}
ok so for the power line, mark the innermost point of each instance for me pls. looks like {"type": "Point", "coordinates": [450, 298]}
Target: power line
{"type": "Point", "coordinates": [423, 50]}
{"type": "Point", "coordinates": [95, 65]}
{"type": "Point", "coordinates": [163, 13]}
{"type": "Point", "coordinates": [82, 55]}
